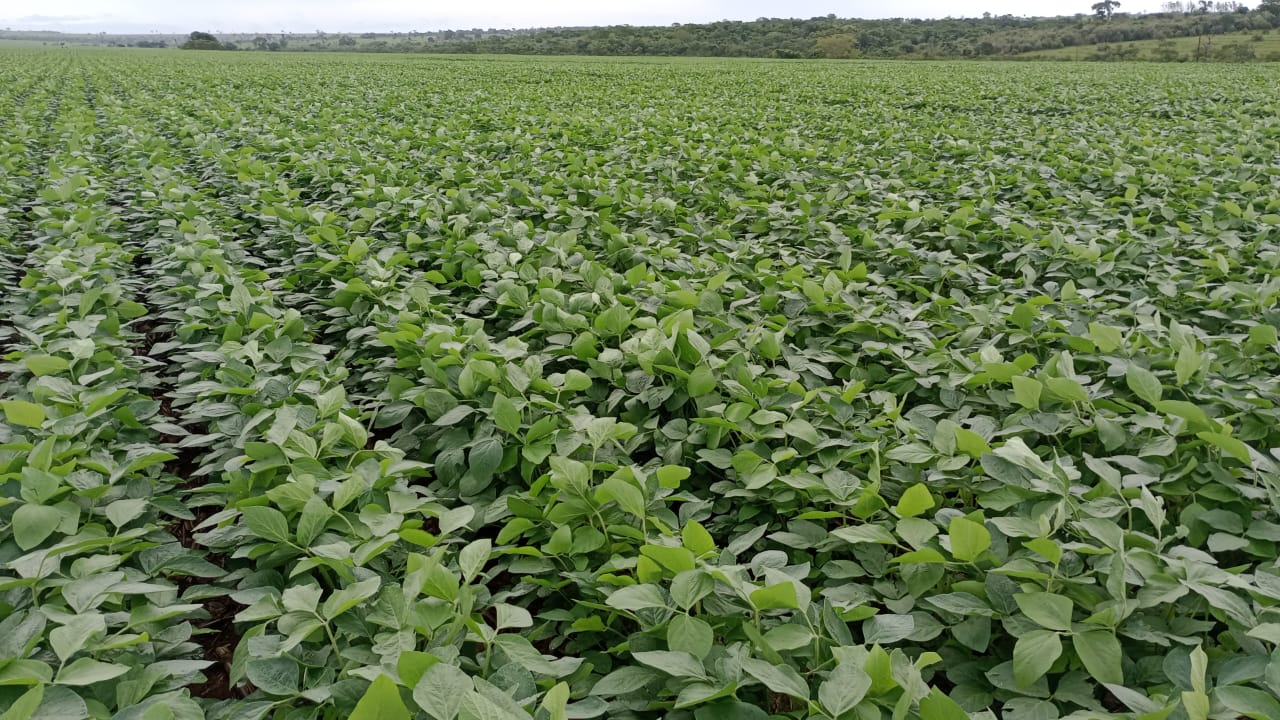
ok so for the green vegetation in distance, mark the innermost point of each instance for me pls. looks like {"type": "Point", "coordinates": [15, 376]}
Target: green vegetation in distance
{"type": "Point", "coordinates": [1234, 47]}
{"type": "Point", "coordinates": [368, 387]}
{"type": "Point", "coordinates": [820, 37]}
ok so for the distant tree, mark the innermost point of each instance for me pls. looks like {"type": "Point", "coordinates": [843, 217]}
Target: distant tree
{"type": "Point", "coordinates": [347, 41]}
{"type": "Point", "coordinates": [202, 41]}
{"type": "Point", "coordinates": [842, 46]}
{"type": "Point", "coordinates": [260, 43]}
{"type": "Point", "coordinates": [1205, 6]}
{"type": "Point", "coordinates": [1106, 8]}
{"type": "Point", "coordinates": [1270, 7]}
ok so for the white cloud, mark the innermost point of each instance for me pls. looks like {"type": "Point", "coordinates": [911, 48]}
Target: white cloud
{"type": "Point", "coordinates": [401, 15]}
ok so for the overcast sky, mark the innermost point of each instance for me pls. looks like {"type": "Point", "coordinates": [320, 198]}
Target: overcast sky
{"type": "Point", "coordinates": [403, 15]}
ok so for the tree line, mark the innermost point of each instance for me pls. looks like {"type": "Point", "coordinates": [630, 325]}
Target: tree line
{"type": "Point", "coordinates": [823, 37]}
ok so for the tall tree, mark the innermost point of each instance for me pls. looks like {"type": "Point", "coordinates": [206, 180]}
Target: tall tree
{"type": "Point", "coordinates": [1106, 8]}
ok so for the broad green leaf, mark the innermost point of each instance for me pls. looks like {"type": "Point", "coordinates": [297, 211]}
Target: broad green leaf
{"type": "Point", "coordinates": [782, 679]}
{"type": "Point", "coordinates": [670, 476]}
{"type": "Point", "coordinates": [556, 701]}
{"type": "Point", "coordinates": [1228, 445]}
{"type": "Point", "coordinates": [21, 412]}
{"type": "Point", "coordinates": [1106, 337]}
{"type": "Point", "coordinates": [87, 671]}
{"type": "Point", "coordinates": [25, 706]}
{"type": "Point", "coordinates": [1033, 655]}
{"type": "Point", "coordinates": [1027, 391]}
{"type": "Point", "coordinates": [915, 501]}
{"type": "Point", "coordinates": [41, 365]}
{"type": "Point", "coordinates": [1143, 383]}
{"type": "Point", "coordinates": [937, 706]}
{"type": "Point", "coordinates": [505, 415]}
{"type": "Point", "coordinates": [968, 539]}
{"type": "Point", "coordinates": [843, 689]}
{"type": "Point", "coordinates": [439, 692]}
{"type": "Point", "coordinates": [624, 680]}
{"type": "Point", "coordinates": [637, 597]}
{"type": "Point", "coordinates": [971, 443]}
{"type": "Point", "coordinates": [275, 675]}
{"type": "Point", "coordinates": [678, 664]}
{"type": "Point", "coordinates": [348, 597]}
{"type": "Point", "coordinates": [781, 596]}
{"type": "Point", "coordinates": [381, 702]}
{"type": "Point", "coordinates": [701, 381]}
{"type": "Point", "coordinates": [1046, 609]}
{"type": "Point", "coordinates": [1099, 651]}
{"type": "Point", "coordinates": [696, 539]}
{"type": "Point", "coordinates": [33, 523]}
{"type": "Point", "coordinates": [267, 523]}
{"type": "Point", "coordinates": [690, 635]}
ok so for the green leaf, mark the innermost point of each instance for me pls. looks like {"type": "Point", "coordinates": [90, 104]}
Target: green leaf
{"type": "Point", "coordinates": [915, 501]}
{"type": "Point", "coordinates": [381, 702]}
{"type": "Point", "coordinates": [1033, 655]}
{"type": "Point", "coordinates": [689, 587]}
{"type": "Point", "coordinates": [1106, 337]}
{"type": "Point", "coordinates": [130, 310]}
{"type": "Point", "coordinates": [556, 701]}
{"type": "Point", "coordinates": [624, 680]}
{"type": "Point", "coordinates": [691, 635]}
{"type": "Point", "coordinates": [1066, 390]}
{"type": "Point", "coordinates": [1045, 548]}
{"type": "Point", "coordinates": [968, 539]}
{"type": "Point", "coordinates": [1248, 702]}
{"type": "Point", "coordinates": [637, 597]}
{"type": "Point", "coordinates": [843, 689]}
{"type": "Point", "coordinates": [1027, 391]}
{"type": "Point", "coordinates": [679, 664]}
{"type": "Point", "coordinates": [971, 443]}
{"type": "Point", "coordinates": [505, 414]}
{"type": "Point", "coordinates": [315, 515]}
{"type": "Point", "coordinates": [887, 628]}
{"type": "Point", "coordinates": [576, 381]}
{"type": "Point", "coordinates": [697, 540]}
{"type": "Point", "coordinates": [1187, 364]}
{"type": "Point", "coordinates": [670, 476]}
{"type": "Point", "coordinates": [122, 512]}
{"type": "Point", "coordinates": [484, 458]}
{"type": "Point", "coordinates": [267, 523]}
{"type": "Point", "coordinates": [21, 412]}
{"type": "Point", "coordinates": [781, 596]}
{"type": "Point", "coordinates": [675, 559]}
{"type": "Point", "coordinates": [1228, 445]}
{"type": "Point", "coordinates": [1193, 414]}
{"type": "Point", "coordinates": [25, 706]}
{"type": "Point", "coordinates": [87, 671]}
{"type": "Point", "coordinates": [1046, 609]}
{"type": "Point", "coordinates": [33, 523]}
{"type": "Point", "coordinates": [782, 679]}
{"type": "Point", "coordinates": [701, 381]}
{"type": "Point", "coordinates": [41, 365]}
{"type": "Point", "coordinates": [472, 558]}
{"type": "Point", "coordinates": [274, 675]}
{"type": "Point", "coordinates": [440, 690]}
{"type": "Point", "coordinates": [1099, 651]}
{"type": "Point", "coordinates": [348, 597]}
{"type": "Point", "coordinates": [937, 706]}
{"type": "Point", "coordinates": [628, 496]}
{"type": "Point", "coordinates": [1143, 383]}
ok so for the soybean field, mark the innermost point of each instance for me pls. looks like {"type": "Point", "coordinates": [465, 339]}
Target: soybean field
{"type": "Point", "coordinates": [380, 388]}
